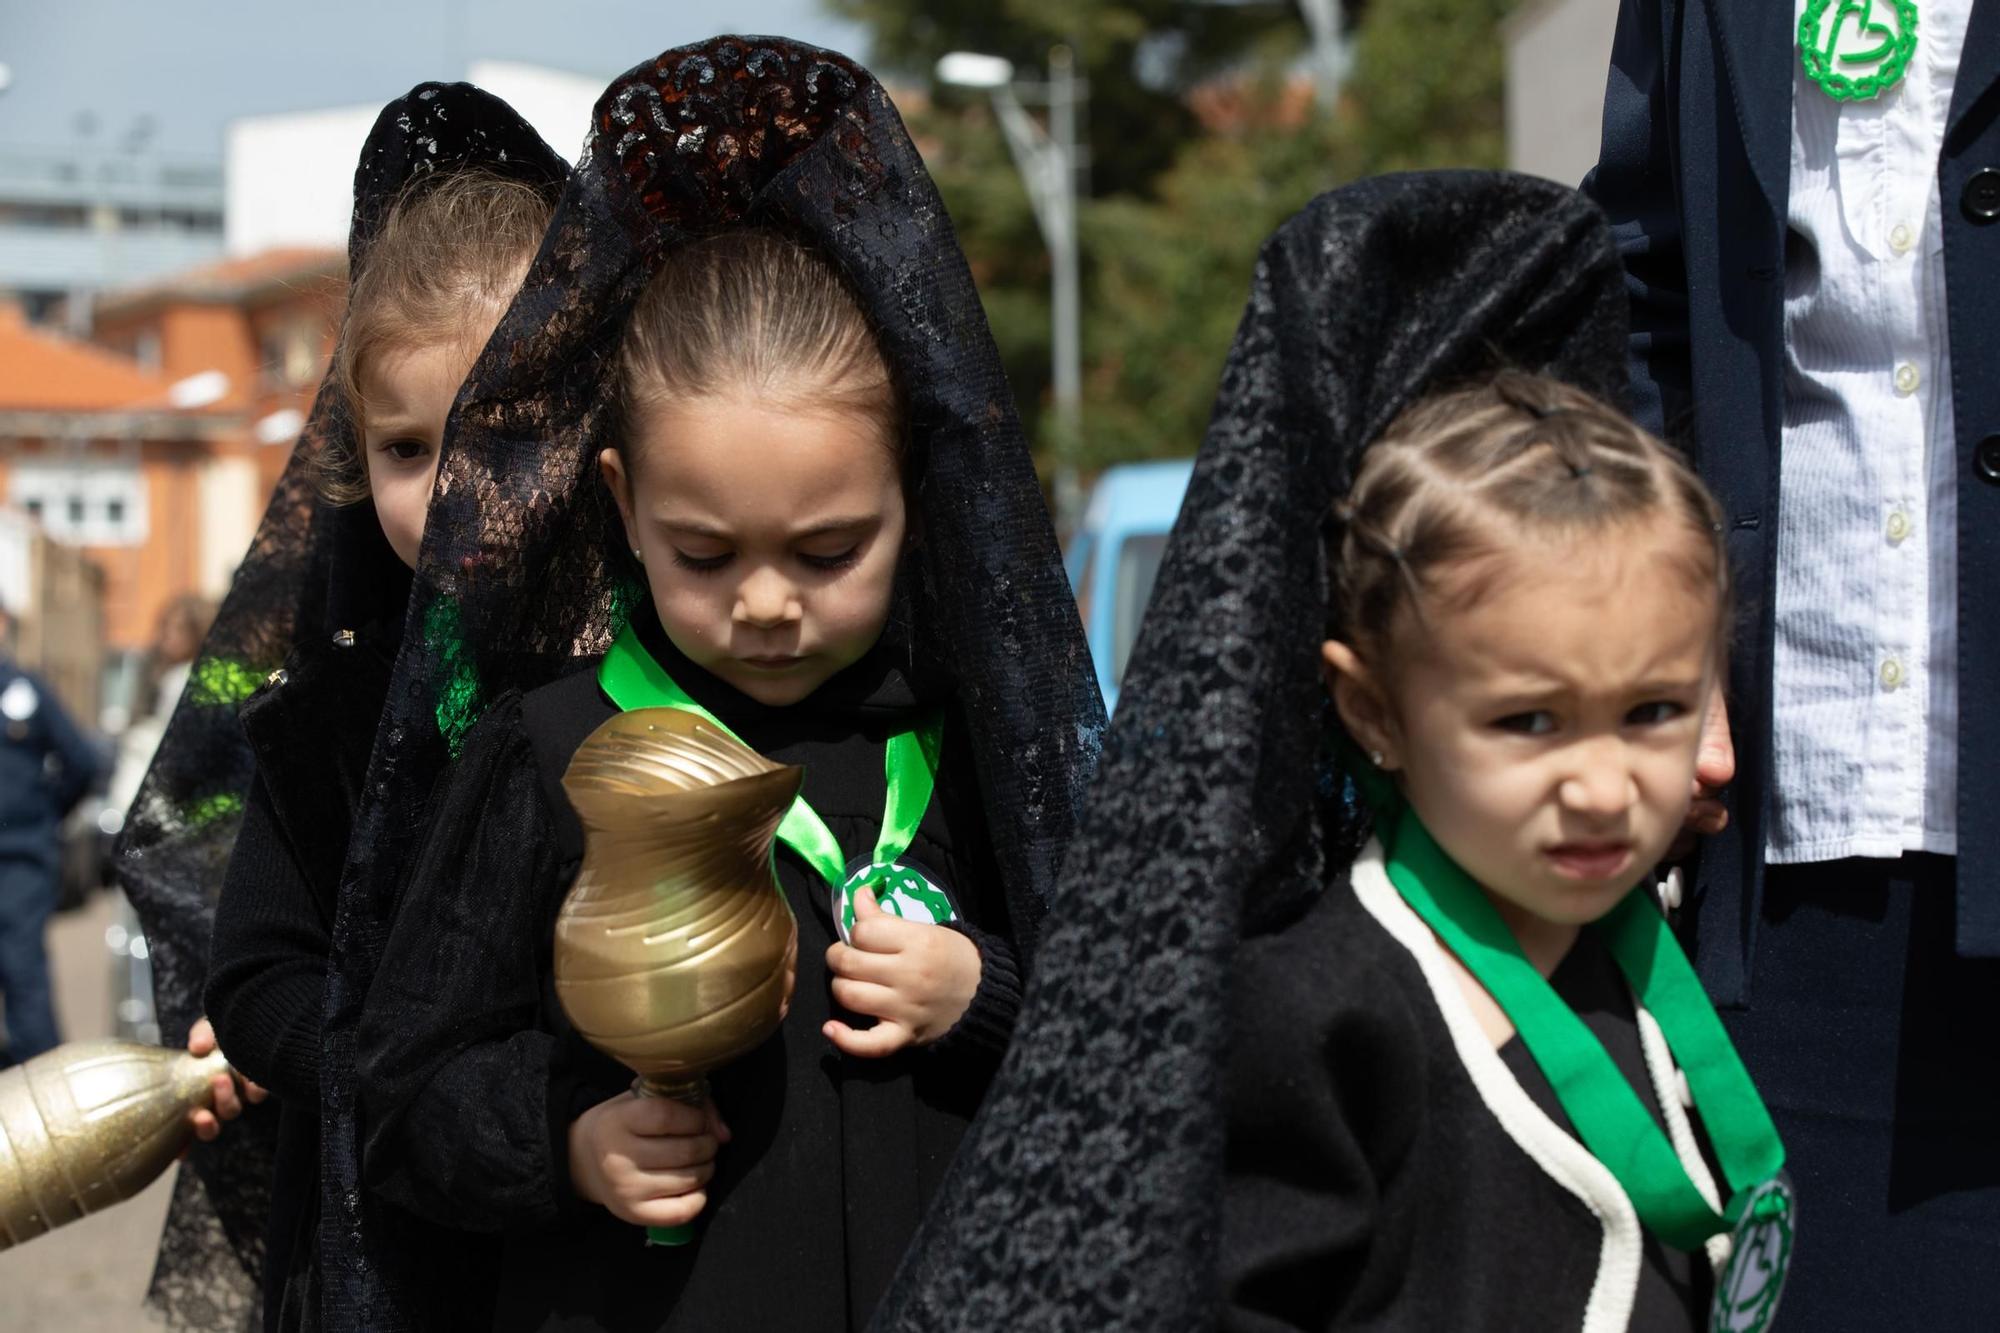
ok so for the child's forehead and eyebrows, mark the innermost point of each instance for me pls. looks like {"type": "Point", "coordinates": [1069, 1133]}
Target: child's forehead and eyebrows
{"type": "Point", "coordinates": [1535, 645]}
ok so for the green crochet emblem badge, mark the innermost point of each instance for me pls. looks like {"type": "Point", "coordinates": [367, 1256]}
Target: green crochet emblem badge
{"type": "Point", "coordinates": [1857, 49]}
{"type": "Point", "coordinates": [1760, 1257]}
{"type": "Point", "coordinates": [900, 890]}
{"type": "Point", "coordinates": [223, 681]}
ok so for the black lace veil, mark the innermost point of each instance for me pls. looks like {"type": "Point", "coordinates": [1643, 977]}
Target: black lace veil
{"type": "Point", "coordinates": [311, 567]}
{"type": "Point", "coordinates": [1087, 1195]}
{"type": "Point", "coordinates": [518, 578]}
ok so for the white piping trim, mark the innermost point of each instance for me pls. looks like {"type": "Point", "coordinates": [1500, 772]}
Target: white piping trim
{"type": "Point", "coordinates": [1559, 1156]}
{"type": "Point", "coordinates": [1667, 1088]}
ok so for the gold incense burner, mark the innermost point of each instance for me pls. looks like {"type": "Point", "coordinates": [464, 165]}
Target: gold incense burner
{"type": "Point", "coordinates": [91, 1124]}
{"type": "Point", "coordinates": [675, 952]}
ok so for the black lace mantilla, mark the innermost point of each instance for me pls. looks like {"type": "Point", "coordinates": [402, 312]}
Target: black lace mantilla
{"type": "Point", "coordinates": [514, 585]}
{"type": "Point", "coordinates": [1087, 1195]}
{"type": "Point", "coordinates": [308, 570]}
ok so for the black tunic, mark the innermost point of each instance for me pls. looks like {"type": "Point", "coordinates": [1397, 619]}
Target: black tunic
{"type": "Point", "coordinates": [471, 1075]}
{"type": "Point", "coordinates": [311, 728]}
{"type": "Point", "coordinates": [1386, 1173]}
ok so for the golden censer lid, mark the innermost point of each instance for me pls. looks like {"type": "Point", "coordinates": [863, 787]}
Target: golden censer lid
{"type": "Point", "coordinates": [675, 951]}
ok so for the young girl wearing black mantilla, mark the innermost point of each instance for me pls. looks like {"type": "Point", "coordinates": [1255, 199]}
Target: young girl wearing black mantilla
{"type": "Point", "coordinates": [790, 476]}
{"type": "Point", "coordinates": [1301, 1057]}
{"type": "Point", "coordinates": [451, 196]}
{"type": "Point", "coordinates": [1513, 1069]}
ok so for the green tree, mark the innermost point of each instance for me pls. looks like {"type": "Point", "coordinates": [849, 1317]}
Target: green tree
{"type": "Point", "coordinates": [996, 226]}
{"type": "Point", "coordinates": [1170, 274]}
{"type": "Point", "coordinates": [1429, 86]}
{"type": "Point", "coordinates": [1180, 206]}
{"type": "Point", "coordinates": [1140, 56]}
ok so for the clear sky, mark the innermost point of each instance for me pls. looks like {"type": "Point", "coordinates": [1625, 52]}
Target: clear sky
{"type": "Point", "coordinates": [192, 65]}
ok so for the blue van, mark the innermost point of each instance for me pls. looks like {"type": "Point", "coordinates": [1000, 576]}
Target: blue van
{"type": "Point", "coordinates": [1115, 556]}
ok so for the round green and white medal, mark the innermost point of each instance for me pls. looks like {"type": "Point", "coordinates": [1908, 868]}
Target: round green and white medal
{"type": "Point", "coordinates": [1857, 49]}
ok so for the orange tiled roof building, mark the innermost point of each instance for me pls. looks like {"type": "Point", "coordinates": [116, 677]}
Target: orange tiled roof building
{"type": "Point", "coordinates": [154, 448]}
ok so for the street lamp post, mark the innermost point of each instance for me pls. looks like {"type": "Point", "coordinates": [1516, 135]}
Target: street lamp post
{"type": "Point", "coordinates": [1333, 55]}
{"type": "Point", "coordinates": [1047, 161]}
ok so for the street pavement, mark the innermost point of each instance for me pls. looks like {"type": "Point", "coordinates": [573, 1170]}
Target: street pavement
{"type": "Point", "coordinates": [90, 1276]}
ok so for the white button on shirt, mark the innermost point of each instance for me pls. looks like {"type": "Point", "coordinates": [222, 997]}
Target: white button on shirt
{"type": "Point", "coordinates": [1865, 688]}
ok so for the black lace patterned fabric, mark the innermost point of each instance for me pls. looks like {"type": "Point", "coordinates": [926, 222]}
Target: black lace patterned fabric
{"type": "Point", "coordinates": [1087, 1196]}
{"type": "Point", "coordinates": [310, 568]}
{"type": "Point", "coordinates": [515, 586]}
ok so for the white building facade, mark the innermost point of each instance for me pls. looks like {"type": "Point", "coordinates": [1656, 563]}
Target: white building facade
{"type": "Point", "coordinates": [290, 178]}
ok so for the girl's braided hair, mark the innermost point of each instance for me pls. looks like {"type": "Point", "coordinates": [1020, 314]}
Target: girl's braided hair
{"type": "Point", "coordinates": [1461, 475]}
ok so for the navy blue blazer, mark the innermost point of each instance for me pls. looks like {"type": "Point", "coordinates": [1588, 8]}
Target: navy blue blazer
{"type": "Point", "coordinates": [46, 765]}
{"type": "Point", "coordinates": [1695, 173]}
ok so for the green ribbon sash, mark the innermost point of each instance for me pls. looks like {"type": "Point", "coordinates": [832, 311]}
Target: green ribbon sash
{"type": "Point", "coordinates": [1609, 1117]}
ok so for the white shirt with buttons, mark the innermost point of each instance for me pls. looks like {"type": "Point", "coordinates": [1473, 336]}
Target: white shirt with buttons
{"type": "Point", "coordinates": [1865, 685]}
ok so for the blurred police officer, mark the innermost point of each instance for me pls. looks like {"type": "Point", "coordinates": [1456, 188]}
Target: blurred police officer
{"type": "Point", "coordinates": [46, 765]}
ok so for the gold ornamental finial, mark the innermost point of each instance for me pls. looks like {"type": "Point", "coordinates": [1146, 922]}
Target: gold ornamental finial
{"type": "Point", "coordinates": [676, 951]}
{"type": "Point", "coordinates": [90, 1124]}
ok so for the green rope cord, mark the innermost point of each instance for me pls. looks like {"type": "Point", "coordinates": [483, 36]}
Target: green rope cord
{"type": "Point", "coordinates": [626, 594]}
{"type": "Point", "coordinates": [217, 681]}
{"type": "Point", "coordinates": [459, 703]}
{"type": "Point", "coordinates": [458, 694]}
{"type": "Point", "coordinates": [211, 809]}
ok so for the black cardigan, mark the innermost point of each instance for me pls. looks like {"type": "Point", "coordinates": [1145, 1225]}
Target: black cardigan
{"type": "Point", "coordinates": [471, 1075]}
{"type": "Point", "coordinates": [311, 727]}
{"type": "Point", "coordinates": [1388, 1169]}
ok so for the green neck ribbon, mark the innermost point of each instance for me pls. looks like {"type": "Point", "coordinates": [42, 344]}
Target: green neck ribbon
{"type": "Point", "coordinates": [1609, 1117]}
{"type": "Point", "coordinates": [632, 678]}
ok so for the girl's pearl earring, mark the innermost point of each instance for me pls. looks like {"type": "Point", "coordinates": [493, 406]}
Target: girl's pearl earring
{"type": "Point", "coordinates": [1376, 758]}
{"type": "Point", "coordinates": [639, 555]}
